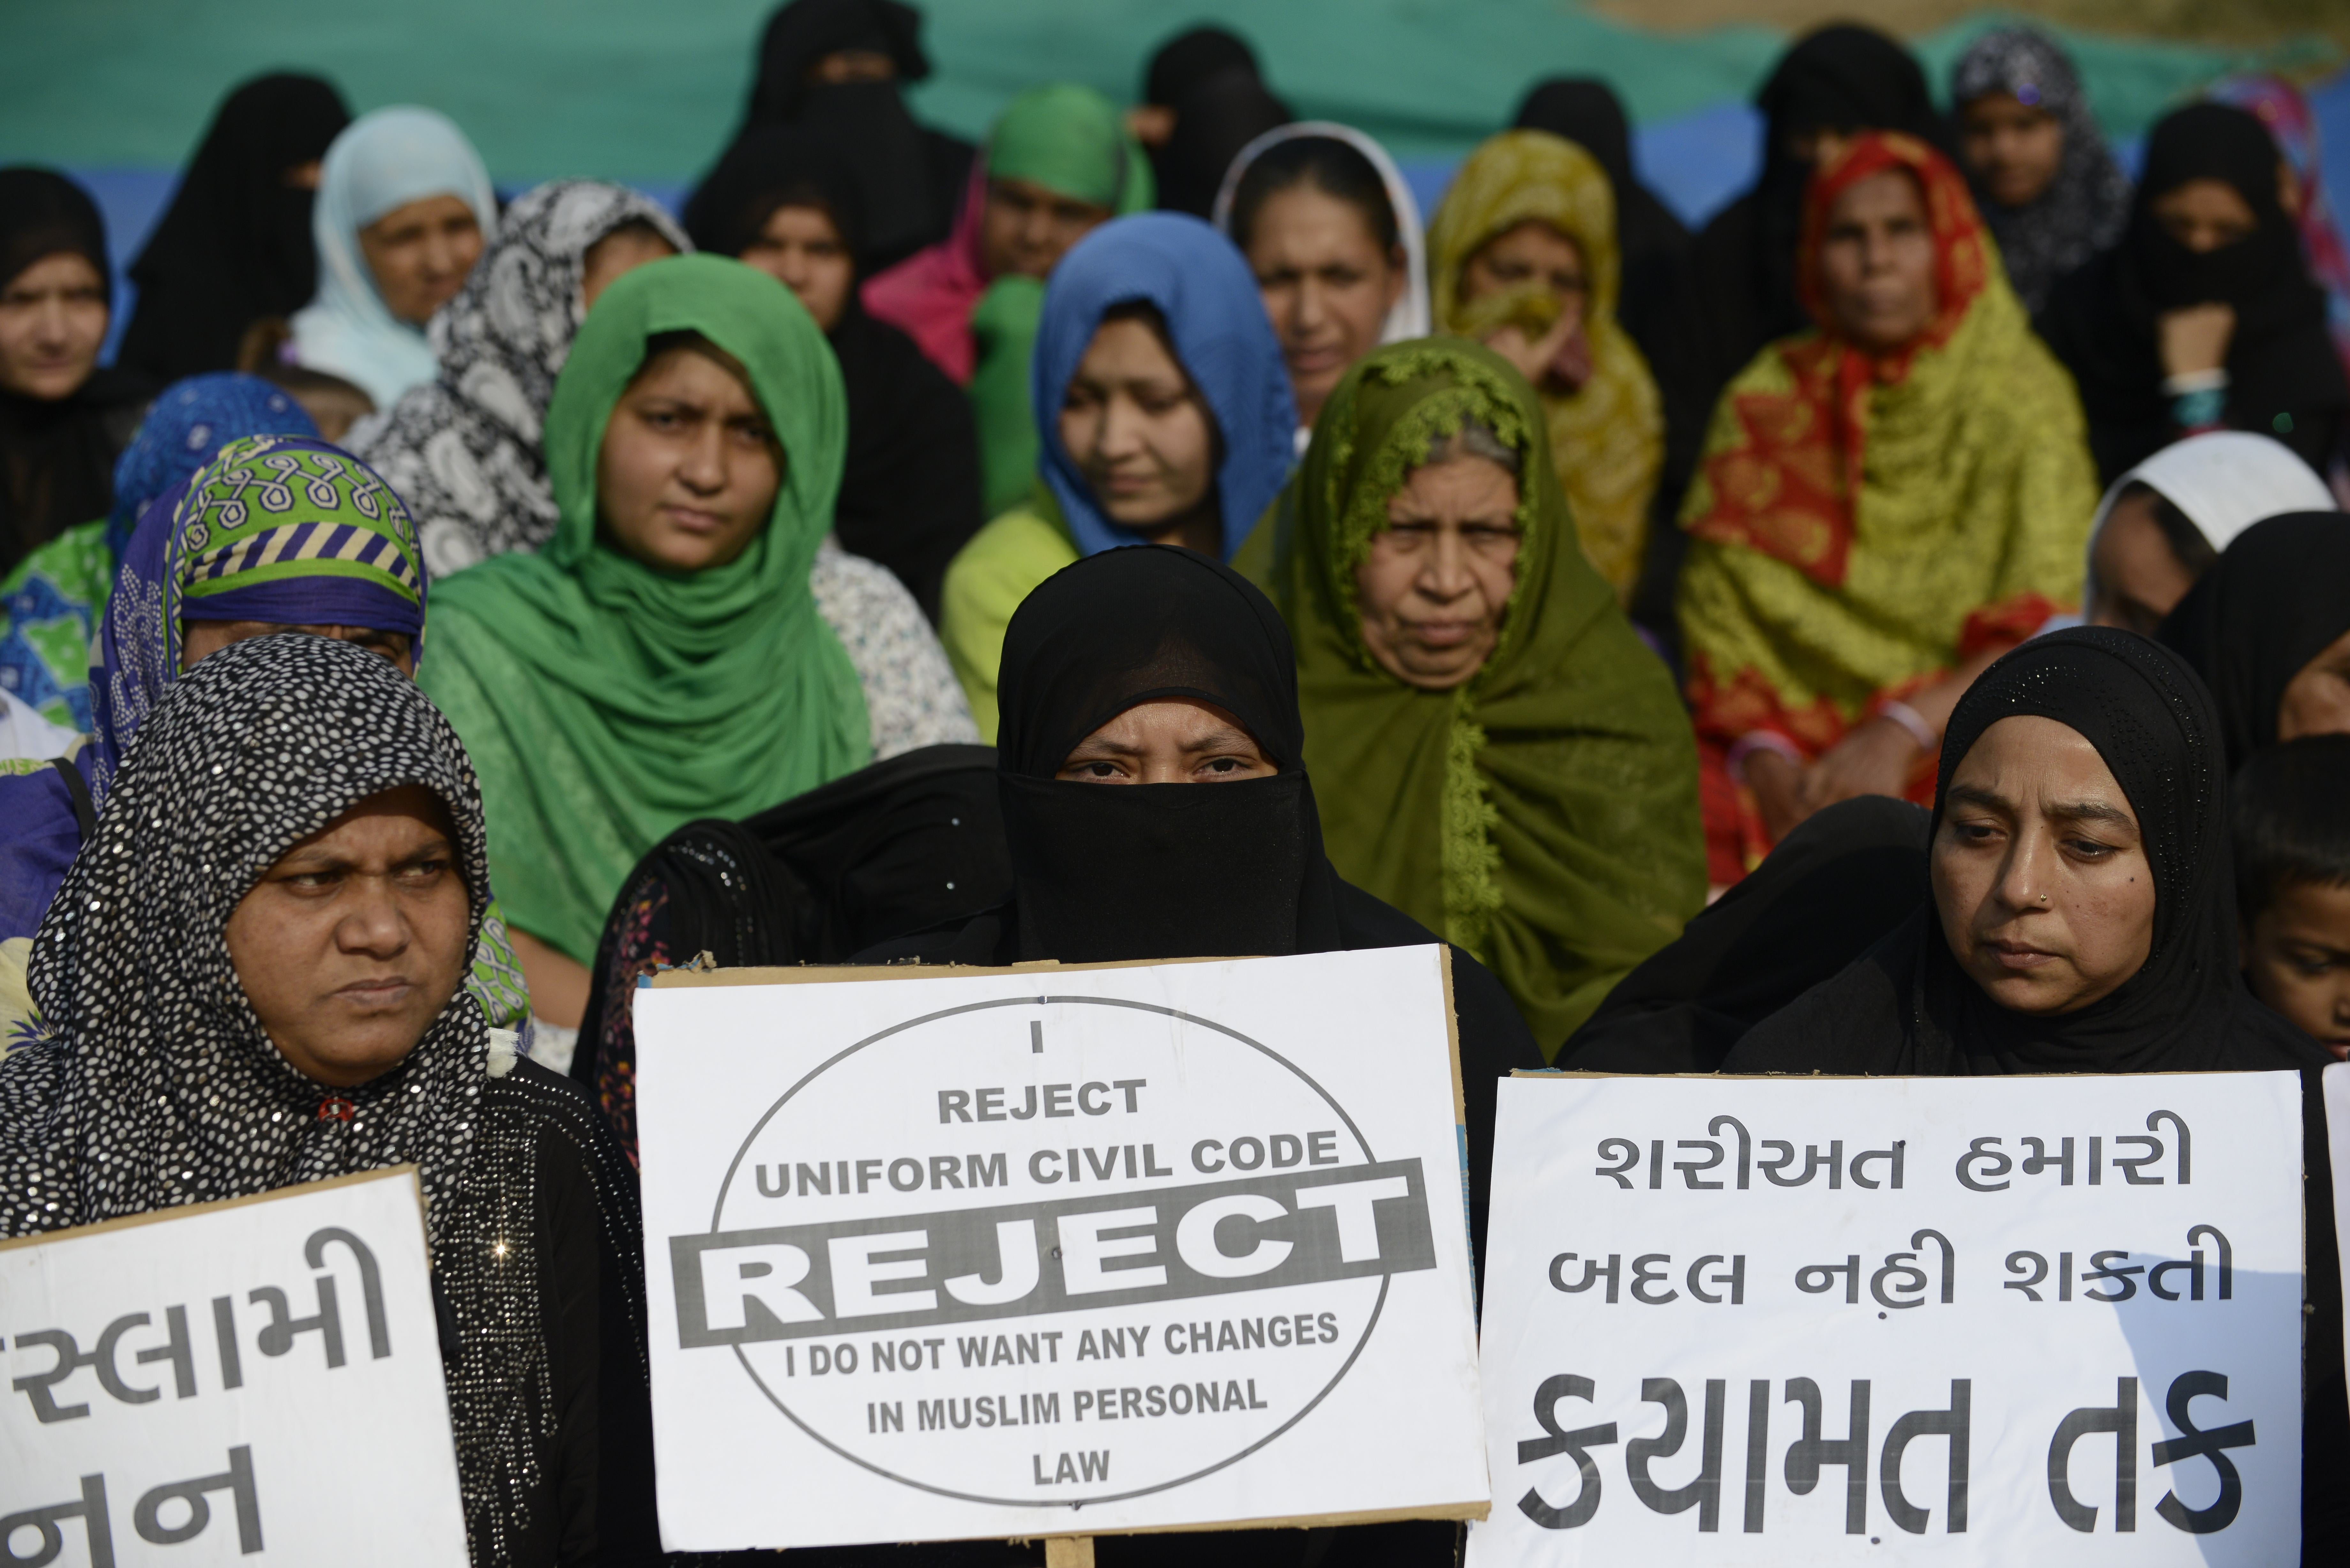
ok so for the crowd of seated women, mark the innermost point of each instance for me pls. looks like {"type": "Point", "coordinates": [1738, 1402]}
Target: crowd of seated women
{"type": "Point", "coordinates": [1903, 627]}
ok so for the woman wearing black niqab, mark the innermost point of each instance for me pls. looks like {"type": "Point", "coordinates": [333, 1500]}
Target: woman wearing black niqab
{"type": "Point", "coordinates": [234, 247]}
{"type": "Point", "coordinates": [2278, 373]}
{"type": "Point", "coordinates": [64, 418]}
{"type": "Point", "coordinates": [1204, 99]}
{"type": "Point", "coordinates": [1105, 873]}
{"type": "Point", "coordinates": [910, 491]}
{"type": "Point", "coordinates": [909, 177]}
{"type": "Point", "coordinates": [2262, 626]}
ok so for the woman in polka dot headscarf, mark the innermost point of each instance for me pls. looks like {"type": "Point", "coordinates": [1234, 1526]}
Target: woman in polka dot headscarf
{"type": "Point", "coordinates": [256, 977]}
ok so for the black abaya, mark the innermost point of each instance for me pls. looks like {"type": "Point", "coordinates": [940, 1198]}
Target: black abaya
{"type": "Point", "coordinates": [234, 245]}
{"type": "Point", "coordinates": [1825, 895]}
{"type": "Point", "coordinates": [2283, 377]}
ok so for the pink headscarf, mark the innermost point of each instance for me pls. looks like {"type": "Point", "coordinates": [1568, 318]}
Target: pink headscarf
{"type": "Point", "coordinates": [930, 293]}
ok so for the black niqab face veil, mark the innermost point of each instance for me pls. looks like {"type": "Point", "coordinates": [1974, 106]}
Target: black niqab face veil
{"type": "Point", "coordinates": [1109, 872]}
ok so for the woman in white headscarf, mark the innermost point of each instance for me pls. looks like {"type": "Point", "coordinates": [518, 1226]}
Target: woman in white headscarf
{"type": "Point", "coordinates": [1333, 234]}
{"type": "Point", "coordinates": [2164, 523]}
{"type": "Point", "coordinates": [404, 207]}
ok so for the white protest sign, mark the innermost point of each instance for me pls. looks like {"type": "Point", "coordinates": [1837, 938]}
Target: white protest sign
{"type": "Point", "coordinates": [1897, 1320]}
{"type": "Point", "coordinates": [257, 1379]}
{"type": "Point", "coordinates": [1056, 1252]}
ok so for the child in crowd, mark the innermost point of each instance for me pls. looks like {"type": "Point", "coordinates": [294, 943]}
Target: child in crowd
{"type": "Point", "coordinates": [2292, 830]}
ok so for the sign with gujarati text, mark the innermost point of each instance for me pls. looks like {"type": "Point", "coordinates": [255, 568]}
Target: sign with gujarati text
{"type": "Point", "coordinates": [1055, 1251]}
{"type": "Point", "coordinates": [256, 1379]}
{"type": "Point", "coordinates": [1895, 1320]}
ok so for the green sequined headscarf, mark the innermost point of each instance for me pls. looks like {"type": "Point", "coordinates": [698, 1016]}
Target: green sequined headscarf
{"type": "Point", "coordinates": [1543, 814]}
{"type": "Point", "coordinates": [605, 702]}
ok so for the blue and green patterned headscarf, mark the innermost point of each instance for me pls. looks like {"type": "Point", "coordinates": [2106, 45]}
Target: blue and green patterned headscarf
{"type": "Point", "coordinates": [275, 528]}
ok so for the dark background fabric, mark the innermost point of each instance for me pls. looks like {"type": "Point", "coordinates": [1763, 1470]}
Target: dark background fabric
{"type": "Point", "coordinates": [910, 177]}
{"type": "Point", "coordinates": [2276, 599]}
{"type": "Point", "coordinates": [1825, 894]}
{"type": "Point", "coordinates": [893, 847]}
{"type": "Point", "coordinates": [2284, 378]}
{"type": "Point", "coordinates": [235, 244]}
{"type": "Point", "coordinates": [910, 488]}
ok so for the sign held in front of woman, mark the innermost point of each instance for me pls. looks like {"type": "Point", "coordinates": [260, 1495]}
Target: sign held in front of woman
{"type": "Point", "coordinates": [1056, 1251]}
{"type": "Point", "coordinates": [1742, 1320]}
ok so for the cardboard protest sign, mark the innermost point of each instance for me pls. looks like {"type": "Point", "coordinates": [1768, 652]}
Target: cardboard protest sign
{"type": "Point", "coordinates": [1046, 1252]}
{"type": "Point", "coordinates": [1898, 1320]}
{"type": "Point", "coordinates": [259, 1377]}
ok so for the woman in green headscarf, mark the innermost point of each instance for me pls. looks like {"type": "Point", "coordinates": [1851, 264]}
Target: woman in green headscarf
{"type": "Point", "coordinates": [1510, 766]}
{"type": "Point", "coordinates": [1060, 163]}
{"type": "Point", "coordinates": [669, 654]}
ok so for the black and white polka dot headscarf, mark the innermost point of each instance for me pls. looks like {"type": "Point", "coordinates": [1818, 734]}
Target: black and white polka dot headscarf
{"type": "Point", "coordinates": [157, 1085]}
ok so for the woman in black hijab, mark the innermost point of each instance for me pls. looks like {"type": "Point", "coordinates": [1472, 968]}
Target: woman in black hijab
{"type": "Point", "coordinates": [2015, 967]}
{"type": "Point", "coordinates": [910, 494]}
{"type": "Point", "coordinates": [1155, 640]}
{"type": "Point", "coordinates": [234, 245]}
{"type": "Point", "coordinates": [837, 67]}
{"type": "Point", "coordinates": [2204, 315]}
{"type": "Point", "coordinates": [2009, 968]}
{"type": "Point", "coordinates": [63, 417]}
{"type": "Point", "coordinates": [1837, 81]}
{"type": "Point", "coordinates": [1825, 895]}
{"type": "Point", "coordinates": [2268, 629]}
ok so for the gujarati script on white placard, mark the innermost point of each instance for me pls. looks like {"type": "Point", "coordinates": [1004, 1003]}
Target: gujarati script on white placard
{"type": "Point", "coordinates": [1930, 1319]}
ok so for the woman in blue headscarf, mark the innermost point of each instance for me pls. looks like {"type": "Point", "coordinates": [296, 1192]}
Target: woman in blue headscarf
{"type": "Point", "coordinates": [404, 206]}
{"type": "Point", "coordinates": [276, 533]}
{"type": "Point", "coordinates": [1165, 416]}
{"type": "Point", "coordinates": [50, 605]}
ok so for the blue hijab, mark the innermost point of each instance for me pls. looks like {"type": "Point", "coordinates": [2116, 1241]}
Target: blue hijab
{"type": "Point", "coordinates": [184, 429]}
{"type": "Point", "coordinates": [1215, 316]}
{"type": "Point", "coordinates": [382, 161]}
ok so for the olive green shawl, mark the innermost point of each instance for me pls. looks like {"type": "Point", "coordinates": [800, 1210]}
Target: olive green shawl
{"type": "Point", "coordinates": [1544, 816]}
{"type": "Point", "coordinates": [605, 703]}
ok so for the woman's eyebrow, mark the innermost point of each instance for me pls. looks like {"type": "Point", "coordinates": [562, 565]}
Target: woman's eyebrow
{"type": "Point", "coordinates": [1974, 794]}
{"type": "Point", "coordinates": [2093, 811]}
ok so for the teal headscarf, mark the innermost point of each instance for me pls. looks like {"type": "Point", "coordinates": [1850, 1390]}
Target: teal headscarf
{"type": "Point", "coordinates": [603, 701]}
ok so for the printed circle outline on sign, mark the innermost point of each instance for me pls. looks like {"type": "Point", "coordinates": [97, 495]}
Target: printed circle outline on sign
{"type": "Point", "coordinates": [1071, 1292]}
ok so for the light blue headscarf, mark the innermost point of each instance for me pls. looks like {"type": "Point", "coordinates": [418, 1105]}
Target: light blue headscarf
{"type": "Point", "coordinates": [381, 160]}
{"type": "Point", "coordinates": [1216, 318]}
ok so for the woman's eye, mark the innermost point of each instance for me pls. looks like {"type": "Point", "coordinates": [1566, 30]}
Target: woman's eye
{"type": "Point", "coordinates": [1973, 832]}
{"type": "Point", "coordinates": [2089, 849]}
{"type": "Point", "coordinates": [423, 870]}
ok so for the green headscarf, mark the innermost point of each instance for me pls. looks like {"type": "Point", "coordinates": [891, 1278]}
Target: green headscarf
{"type": "Point", "coordinates": [1072, 140]}
{"type": "Point", "coordinates": [1543, 814]}
{"type": "Point", "coordinates": [605, 702]}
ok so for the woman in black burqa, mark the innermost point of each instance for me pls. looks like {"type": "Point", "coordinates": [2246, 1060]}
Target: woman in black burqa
{"type": "Point", "coordinates": [910, 494]}
{"type": "Point", "coordinates": [2275, 371]}
{"type": "Point", "coordinates": [840, 67]}
{"type": "Point", "coordinates": [2268, 629]}
{"type": "Point", "coordinates": [235, 247]}
{"type": "Point", "coordinates": [1910, 1007]}
{"type": "Point", "coordinates": [1105, 873]}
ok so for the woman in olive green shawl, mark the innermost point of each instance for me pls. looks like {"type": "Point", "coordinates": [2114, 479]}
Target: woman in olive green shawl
{"type": "Point", "coordinates": [606, 700]}
{"type": "Point", "coordinates": [1538, 807]}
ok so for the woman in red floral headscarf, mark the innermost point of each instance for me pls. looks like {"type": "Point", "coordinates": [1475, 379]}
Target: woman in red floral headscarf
{"type": "Point", "coordinates": [1886, 503]}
